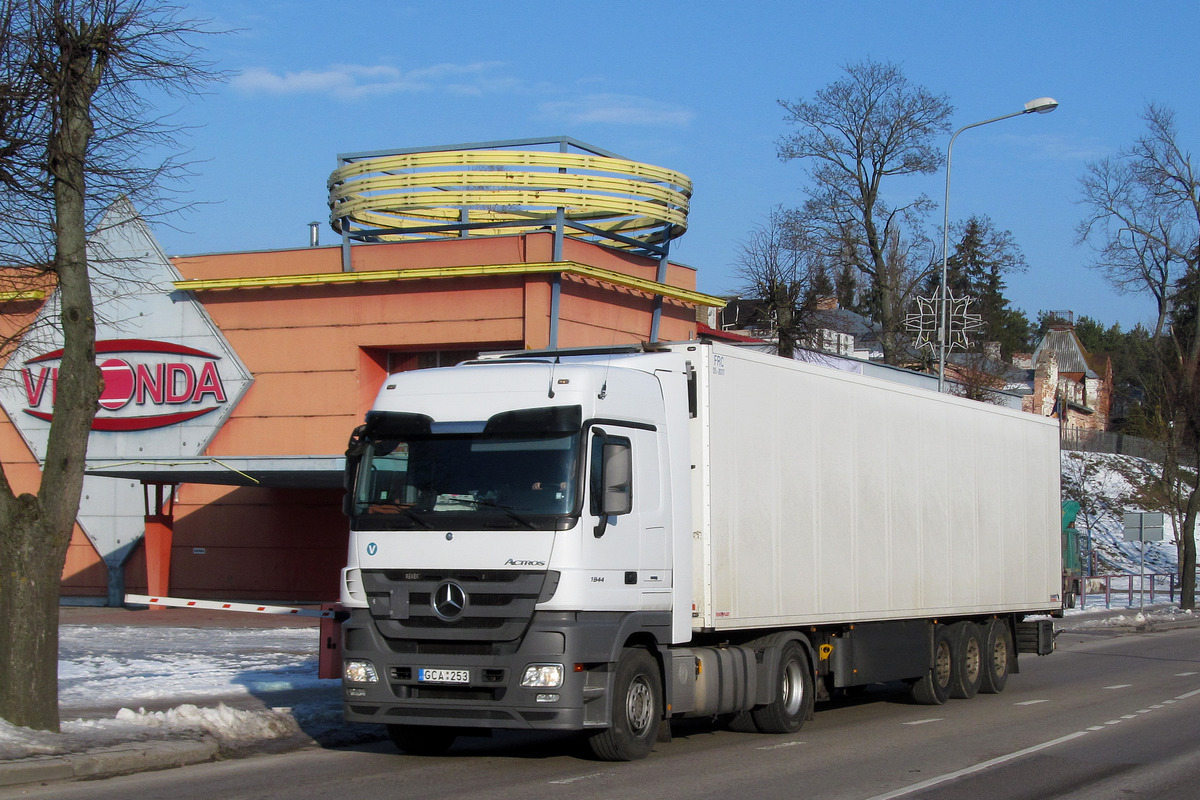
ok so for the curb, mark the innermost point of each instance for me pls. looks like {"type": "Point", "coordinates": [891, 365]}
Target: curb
{"type": "Point", "coordinates": [107, 762]}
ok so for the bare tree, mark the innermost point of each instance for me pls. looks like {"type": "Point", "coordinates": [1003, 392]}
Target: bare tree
{"type": "Point", "coordinates": [1140, 217]}
{"type": "Point", "coordinates": [871, 125]}
{"type": "Point", "coordinates": [1144, 210]}
{"type": "Point", "coordinates": [74, 81]}
{"type": "Point", "coordinates": [779, 268]}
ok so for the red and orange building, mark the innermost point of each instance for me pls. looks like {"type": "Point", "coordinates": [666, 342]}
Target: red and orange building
{"type": "Point", "coordinates": [233, 380]}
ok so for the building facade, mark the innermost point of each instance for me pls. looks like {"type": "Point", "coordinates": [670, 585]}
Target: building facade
{"type": "Point", "coordinates": [233, 380]}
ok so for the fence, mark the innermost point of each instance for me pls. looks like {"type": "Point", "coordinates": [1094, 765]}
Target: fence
{"type": "Point", "coordinates": [1148, 588]}
{"type": "Point", "coordinates": [1089, 441]}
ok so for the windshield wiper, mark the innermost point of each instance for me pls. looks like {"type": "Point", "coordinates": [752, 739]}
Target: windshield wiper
{"type": "Point", "coordinates": [508, 511]}
{"type": "Point", "coordinates": [405, 510]}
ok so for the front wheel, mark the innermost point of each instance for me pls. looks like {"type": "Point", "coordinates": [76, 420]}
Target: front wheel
{"type": "Point", "coordinates": [793, 694]}
{"type": "Point", "coordinates": [636, 709]}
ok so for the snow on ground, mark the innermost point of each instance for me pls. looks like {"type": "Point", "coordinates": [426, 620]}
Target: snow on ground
{"type": "Point", "coordinates": [228, 680]}
{"type": "Point", "coordinates": [1110, 485]}
{"type": "Point", "coordinates": [246, 687]}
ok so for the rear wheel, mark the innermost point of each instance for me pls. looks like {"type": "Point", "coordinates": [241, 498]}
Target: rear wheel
{"type": "Point", "coordinates": [997, 657]}
{"type": "Point", "coordinates": [968, 666]}
{"type": "Point", "coordinates": [636, 709]}
{"type": "Point", "coordinates": [793, 694]}
{"type": "Point", "coordinates": [933, 688]}
{"type": "Point", "coordinates": [422, 740]}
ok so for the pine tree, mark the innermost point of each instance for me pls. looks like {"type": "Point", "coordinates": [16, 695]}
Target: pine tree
{"type": "Point", "coordinates": [976, 269]}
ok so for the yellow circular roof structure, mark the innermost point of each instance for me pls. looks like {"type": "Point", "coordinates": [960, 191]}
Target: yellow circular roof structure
{"type": "Point", "coordinates": [502, 188]}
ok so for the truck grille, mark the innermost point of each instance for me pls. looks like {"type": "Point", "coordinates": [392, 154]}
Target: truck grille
{"type": "Point", "coordinates": [410, 608]}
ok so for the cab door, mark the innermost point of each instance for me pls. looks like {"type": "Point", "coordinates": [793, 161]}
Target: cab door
{"type": "Point", "coordinates": [626, 541]}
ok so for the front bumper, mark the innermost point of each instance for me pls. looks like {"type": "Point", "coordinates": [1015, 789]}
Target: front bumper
{"type": "Point", "coordinates": [492, 698]}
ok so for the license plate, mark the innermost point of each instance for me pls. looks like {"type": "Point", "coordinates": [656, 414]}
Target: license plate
{"type": "Point", "coordinates": [443, 676]}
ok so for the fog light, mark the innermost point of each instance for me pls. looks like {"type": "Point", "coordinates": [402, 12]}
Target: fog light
{"type": "Point", "coordinates": [542, 676]}
{"type": "Point", "coordinates": [360, 672]}
{"type": "Point", "coordinates": [351, 692]}
{"type": "Point", "coordinates": [547, 698]}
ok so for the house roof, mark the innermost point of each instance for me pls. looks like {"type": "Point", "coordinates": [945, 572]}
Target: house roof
{"type": "Point", "coordinates": [1071, 355]}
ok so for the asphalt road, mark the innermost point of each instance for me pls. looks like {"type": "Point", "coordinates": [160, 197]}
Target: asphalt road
{"type": "Point", "coordinates": [1109, 715]}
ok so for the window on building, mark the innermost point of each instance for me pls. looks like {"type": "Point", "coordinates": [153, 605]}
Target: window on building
{"type": "Point", "coordinates": [407, 360]}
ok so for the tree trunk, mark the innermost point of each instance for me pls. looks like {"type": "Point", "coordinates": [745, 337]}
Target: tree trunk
{"type": "Point", "coordinates": [1187, 549]}
{"type": "Point", "coordinates": [38, 529]}
{"type": "Point", "coordinates": [32, 557]}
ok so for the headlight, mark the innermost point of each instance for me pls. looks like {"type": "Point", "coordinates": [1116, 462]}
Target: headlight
{"type": "Point", "coordinates": [360, 672]}
{"type": "Point", "coordinates": [542, 676]}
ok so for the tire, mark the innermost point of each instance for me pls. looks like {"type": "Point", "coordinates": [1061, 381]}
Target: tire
{"type": "Point", "coordinates": [793, 698]}
{"type": "Point", "coordinates": [637, 709]}
{"type": "Point", "coordinates": [933, 688]}
{"type": "Point", "coordinates": [998, 655]}
{"type": "Point", "coordinates": [422, 740]}
{"type": "Point", "coordinates": [968, 665]}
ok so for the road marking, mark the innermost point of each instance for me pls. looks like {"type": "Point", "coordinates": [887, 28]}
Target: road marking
{"type": "Point", "coordinates": [924, 721]}
{"type": "Point", "coordinates": [1119, 686]}
{"type": "Point", "coordinates": [577, 778]}
{"type": "Point", "coordinates": [779, 746]}
{"type": "Point", "coordinates": [1030, 702]}
{"type": "Point", "coordinates": [950, 776]}
{"type": "Point", "coordinates": [1184, 674]}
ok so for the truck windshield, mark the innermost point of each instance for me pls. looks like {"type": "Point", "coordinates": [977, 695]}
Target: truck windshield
{"type": "Point", "coordinates": [467, 481]}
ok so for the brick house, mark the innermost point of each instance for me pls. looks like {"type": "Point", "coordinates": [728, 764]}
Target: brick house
{"type": "Point", "coordinates": [1070, 383]}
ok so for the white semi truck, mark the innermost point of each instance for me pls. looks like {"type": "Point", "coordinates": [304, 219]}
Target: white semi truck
{"type": "Point", "coordinates": [603, 541]}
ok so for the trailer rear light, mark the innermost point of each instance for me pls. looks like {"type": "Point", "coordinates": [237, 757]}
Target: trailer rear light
{"type": "Point", "coordinates": [356, 671]}
{"type": "Point", "coordinates": [542, 676]}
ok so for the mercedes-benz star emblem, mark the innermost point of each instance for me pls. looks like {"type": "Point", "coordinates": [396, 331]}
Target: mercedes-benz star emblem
{"type": "Point", "coordinates": [449, 600]}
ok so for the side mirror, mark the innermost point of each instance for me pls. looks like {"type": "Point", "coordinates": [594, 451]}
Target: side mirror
{"type": "Point", "coordinates": [617, 481]}
{"type": "Point", "coordinates": [612, 479]}
{"type": "Point", "coordinates": [354, 453]}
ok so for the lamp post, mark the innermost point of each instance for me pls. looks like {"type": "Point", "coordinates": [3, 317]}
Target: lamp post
{"type": "Point", "coordinates": [1042, 105]}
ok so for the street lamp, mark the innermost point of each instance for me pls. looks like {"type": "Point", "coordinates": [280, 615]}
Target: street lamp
{"type": "Point", "coordinates": [1042, 105]}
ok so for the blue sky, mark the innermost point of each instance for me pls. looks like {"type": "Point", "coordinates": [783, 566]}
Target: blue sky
{"type": "Point", "coordinates": [692, 86]}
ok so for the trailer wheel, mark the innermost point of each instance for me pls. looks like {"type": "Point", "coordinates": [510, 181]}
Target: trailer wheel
{"type": "Point", "coordinates": [997, 657]}
{"type": "Point", "coordinates": [422, 740]}
{"type": "Point", "coordinates": [793, 694]}
{"type": "Point", "coordinates": [636, 709]}
{"type": "Point", "coordinates": [968, 665]}
{"type": "Point", "coordinates": [933, 688]}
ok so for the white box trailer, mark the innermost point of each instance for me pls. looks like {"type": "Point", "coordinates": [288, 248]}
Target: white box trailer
{"type": "Point", "coordinates": [607, 540]}
{"type": "Point", "coordinates": [823, 496]}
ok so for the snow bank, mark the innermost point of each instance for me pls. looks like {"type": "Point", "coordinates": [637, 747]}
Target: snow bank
{"type": "Point", "coordinates": [199, 677]}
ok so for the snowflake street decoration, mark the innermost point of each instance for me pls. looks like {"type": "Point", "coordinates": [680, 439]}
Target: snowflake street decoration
{"type": "Point", "coordinates": [925, 323]}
